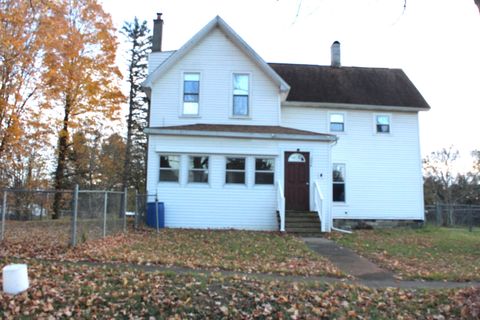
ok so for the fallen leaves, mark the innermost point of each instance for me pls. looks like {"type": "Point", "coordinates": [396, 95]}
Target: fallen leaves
{"type": "Point", "coordinates": [244, 251]}
{"type": "Point", "coordinates": [431, 253]}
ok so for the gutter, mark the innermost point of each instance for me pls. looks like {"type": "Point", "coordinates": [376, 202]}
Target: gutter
{"type": "Point", "coordinates": [236, 135]}
{"type": "Point", "coordinates": [350, 106]}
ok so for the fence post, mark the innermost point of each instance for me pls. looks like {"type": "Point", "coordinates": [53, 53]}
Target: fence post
{"type": "Point", "coordinates": [136, 208]}
{"type": "Point", "coordinates": [105, 203]}
{"type": "Point", "coordinates": [125, 200]}
{"type": "Point", "coordinates": [470, 219]}
{"type": "Point", "coordinates": [74, 217]}
{"type": "Point", "coordinates": [156, 213]}
{"type": "Point", "coordinates": [438, 214]}
{"type": "Point", "coordinates": [4, 212]}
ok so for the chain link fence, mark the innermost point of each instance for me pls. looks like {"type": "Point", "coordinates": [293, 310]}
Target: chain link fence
{"type": "Point", "coordinates": [29, 219]}
{"type": "Point", "coordinates": [460, 215]}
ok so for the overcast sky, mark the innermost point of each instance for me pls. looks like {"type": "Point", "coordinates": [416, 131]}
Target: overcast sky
{"type": "Point", "coordinates": [436, 42]}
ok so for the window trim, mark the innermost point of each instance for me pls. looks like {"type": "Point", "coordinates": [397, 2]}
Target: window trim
{"type": "Point", "coordinates": [255, 171]}
{"type": "Point", "coordinates": [344, 183]}
{"type": "Point", "coordinates": [375, 129]}
{"type": "Point", "coordinates": [329, 124]}
{"type": "Point", "coordinates": [189, 169]}
{"type": "Point", "coordinates": [160, 169]}
{"type": "Point", "coordinates": [182, 111]}
{"type": "Point", "coordinates": [245, 158]}
{"type": "Point", "coordinates": [249, 96]}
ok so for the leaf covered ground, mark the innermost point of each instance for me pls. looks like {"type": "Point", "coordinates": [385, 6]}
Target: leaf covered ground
{"type": "Point", "coordinates": [59, 290]}
{"type": "Point", "coordinates": [244, 251]}
{"type": "Point", "coordinates": [431, 253]}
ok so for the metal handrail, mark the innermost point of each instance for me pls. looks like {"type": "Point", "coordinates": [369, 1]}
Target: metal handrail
{"type": "Point", "coordinates": [281, 205]}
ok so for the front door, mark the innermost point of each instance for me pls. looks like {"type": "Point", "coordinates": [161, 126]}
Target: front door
{"type": "Point", "coordinates": [297, 180]}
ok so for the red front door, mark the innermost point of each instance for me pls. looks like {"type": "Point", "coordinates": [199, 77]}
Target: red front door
{"type": "Point", "coordinates": [297, 180]}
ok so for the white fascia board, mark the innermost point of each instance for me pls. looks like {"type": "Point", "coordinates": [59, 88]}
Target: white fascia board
{"type": "Point", "coordinates": [350, 106]}
{"type": "Point", "coordinates": [237, 135]}
{"type": "Point", "coordinates": [234, 37]}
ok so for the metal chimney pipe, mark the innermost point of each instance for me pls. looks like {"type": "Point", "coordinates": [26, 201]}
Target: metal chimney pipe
{"type": "Point", "coordinates": [335, 49]}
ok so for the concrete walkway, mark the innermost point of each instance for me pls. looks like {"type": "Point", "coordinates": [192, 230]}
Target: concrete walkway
{"type": "Point", "coordinates": [312, 280]}
{"type": "Point", "coordinates": [368, 273]}
{"type": "Point", "coordinates": [347, 260]}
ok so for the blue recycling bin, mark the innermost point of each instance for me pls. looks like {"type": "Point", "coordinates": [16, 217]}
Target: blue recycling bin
{"type": "Point", "coordinates": [151, 213]}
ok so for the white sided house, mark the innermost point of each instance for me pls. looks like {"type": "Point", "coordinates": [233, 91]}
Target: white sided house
{"type": "Point", "coordinates": [235, 142]}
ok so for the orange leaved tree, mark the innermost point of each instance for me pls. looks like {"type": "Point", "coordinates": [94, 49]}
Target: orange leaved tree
{"type": "Point", "coordinates": [81, 79]}
{"type": "Point", "coordinates": [23, 131]}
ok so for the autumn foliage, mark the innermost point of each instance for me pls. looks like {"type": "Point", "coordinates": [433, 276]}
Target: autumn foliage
{"type": "Point", "coordinates": [58, 78]}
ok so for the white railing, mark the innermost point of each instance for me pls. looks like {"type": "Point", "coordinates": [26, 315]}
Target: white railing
{"type": "Point", "coordinates": [323, 215]}
{"type": "Point", "coordinates": [281, 205]}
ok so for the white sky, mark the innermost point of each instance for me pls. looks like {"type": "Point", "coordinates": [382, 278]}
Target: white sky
{"type": "Point", "coordinates": [436, 42]}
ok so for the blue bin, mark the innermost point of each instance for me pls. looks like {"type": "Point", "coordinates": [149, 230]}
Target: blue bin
{"type": "Point", "coordinates": [151, 212]}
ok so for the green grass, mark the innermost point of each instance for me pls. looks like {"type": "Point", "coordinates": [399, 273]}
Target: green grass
{"type": "Point", "coordinates": [101, 292]}
{"type": "Point", "coordinates": [245, 251]}
{"type": "Point", "coordinates": [430, 253]}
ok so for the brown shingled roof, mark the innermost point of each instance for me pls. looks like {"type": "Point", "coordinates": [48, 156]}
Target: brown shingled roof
{"type": "Point", "coordinates": [243, 129]}
{"type": "Point", "coordinates": [350, 85]}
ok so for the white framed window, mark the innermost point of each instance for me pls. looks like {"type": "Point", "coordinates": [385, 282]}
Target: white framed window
{"type": "Point", "coordinates": [198, 169]}
{"type": "Point", "coordinates": [169, 168]}
{"type": "Point", "coordinates": [191, 93]}
{"type": "Point", "coordinates": [235, 170]}
{"type": "Point", "coordinates": [337, 122]}
{"type": "Point", "coordinates": [264, 170]}
{"type": "Point", "coordinates": [241, 84]}
{"type": "Point", "coordinates": [382, 123]}
{"type": "Point", "coordinates": [338, 182]}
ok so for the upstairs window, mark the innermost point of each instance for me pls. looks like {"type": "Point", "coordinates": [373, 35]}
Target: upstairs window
{"type": "Point", "coordinates": [169, 168]}
{"type": "Point", "coordinates": [337, 122]}
{"type": "Point", "coordinates": [264, 170]}
{"type": "Point", "coordinates": [235, 170]}
{"type": "Point", "coordinates": [191, 93]}
{"type": "Point", "coordinates": [198, 169]}
{"type": "Point", "coordinates": [382, 123]}
{"type": "Point", "coordinates": [338, 179]}
{"type": "Point", "coordinates": [240, 94]}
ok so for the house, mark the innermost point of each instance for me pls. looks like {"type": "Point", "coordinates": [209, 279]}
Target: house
{"type": "Point", "coordinates": [235, 142]}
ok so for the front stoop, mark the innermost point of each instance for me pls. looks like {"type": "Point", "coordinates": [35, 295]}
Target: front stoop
{"type": "Point", "coordinates": [302, 223]}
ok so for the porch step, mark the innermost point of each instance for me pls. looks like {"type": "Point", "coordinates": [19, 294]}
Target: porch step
{"type": "Point", "coordinates": [302, 223]}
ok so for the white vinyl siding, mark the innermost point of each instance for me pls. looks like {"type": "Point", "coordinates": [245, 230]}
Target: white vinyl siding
{"type": "Point", "coordinates": [220, 205]}
{"type": "Point", "coordinates": [155, 59]}
{"type": "Point", "coordinates": [216, 58]}
{"type": "Point", "coordinates": [384, 170]}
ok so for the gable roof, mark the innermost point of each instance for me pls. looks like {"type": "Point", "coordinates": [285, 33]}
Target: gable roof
{"type": "Point", "coordinates": [350, 85]}
{"type": "Point", "coordinates": [241, 131]}
{"type": "Point", "coordinates": [219, 23]}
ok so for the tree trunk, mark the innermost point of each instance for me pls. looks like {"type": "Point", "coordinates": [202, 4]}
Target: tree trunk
{"type": "Point", "coordinates": [61, 161]}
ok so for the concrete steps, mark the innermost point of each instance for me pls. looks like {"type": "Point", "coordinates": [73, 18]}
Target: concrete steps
{"type": "Point", "coordinates": [303, 224]}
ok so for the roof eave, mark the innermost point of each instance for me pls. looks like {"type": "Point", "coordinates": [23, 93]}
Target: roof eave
{"type": "Point", "coordinates": [351, 106]}
{"type": "Point", "coordinates": [240, 135]}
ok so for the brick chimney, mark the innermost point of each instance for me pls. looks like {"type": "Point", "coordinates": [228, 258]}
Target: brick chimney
{"type": "Point", "coordinates": [335, 49]}
{"type": "Point", "coordinates": [157, 33]}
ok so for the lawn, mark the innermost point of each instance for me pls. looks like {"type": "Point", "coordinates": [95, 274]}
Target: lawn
{"type": "Point", "coordinates": [60, 290]}
{"type": "Point", "coordinates": [245, 251]}
{"type": "Point", "coordinates": [431, 253]}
